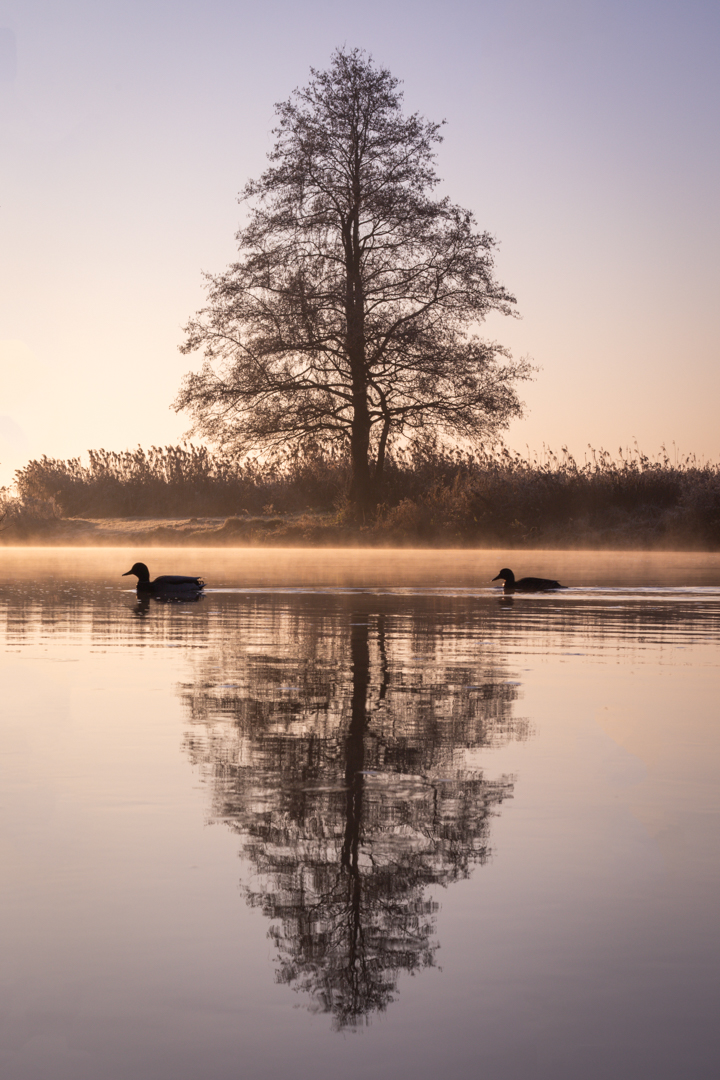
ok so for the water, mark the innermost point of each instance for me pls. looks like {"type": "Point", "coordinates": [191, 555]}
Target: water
{"type": "Point", "coordinates": [357, 813]}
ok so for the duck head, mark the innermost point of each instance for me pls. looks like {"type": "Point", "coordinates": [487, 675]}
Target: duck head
{"type": "Point", "coordinates": [507, 576]}
{"type": "Point", "coordinates": [140, 570]}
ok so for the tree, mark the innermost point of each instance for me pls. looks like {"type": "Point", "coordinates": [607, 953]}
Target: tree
{"type": "Point", "coordinates": [352, 311]}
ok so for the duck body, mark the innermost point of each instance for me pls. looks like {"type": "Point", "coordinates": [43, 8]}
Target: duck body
{"type": "Point", "coordinates": [526, 584]}
{"type": "Point", "coordinates": [167, 585]}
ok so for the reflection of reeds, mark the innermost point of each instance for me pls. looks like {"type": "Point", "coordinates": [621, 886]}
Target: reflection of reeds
{"type": "Point", "coordinates": [495, 497]}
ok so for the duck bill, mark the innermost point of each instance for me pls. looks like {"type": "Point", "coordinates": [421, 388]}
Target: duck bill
{"type": "Point", "coordinates": [126, 574]}
{"type": "Point", "coordinates": [498, 578]}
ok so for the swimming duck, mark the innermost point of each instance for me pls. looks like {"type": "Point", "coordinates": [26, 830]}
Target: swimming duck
{"type": "Point", "coordinates": [167, 584]}
{"type": "Point", "coordinates": [526, 584]}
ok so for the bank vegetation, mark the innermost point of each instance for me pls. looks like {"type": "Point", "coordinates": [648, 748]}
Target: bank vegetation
{"type": "Point", "coordinates": [496, 498]}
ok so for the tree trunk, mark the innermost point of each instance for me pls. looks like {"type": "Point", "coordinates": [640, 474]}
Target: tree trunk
{"type": "Point", "coordinates": [361, 488]}
{"type": "Point", "coordinates": [361, 485]}
{"type": "Point", "coordinates": [380, 461]}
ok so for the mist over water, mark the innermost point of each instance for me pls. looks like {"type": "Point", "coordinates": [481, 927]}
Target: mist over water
{"type": "Point", "coordinates": [360, 793]}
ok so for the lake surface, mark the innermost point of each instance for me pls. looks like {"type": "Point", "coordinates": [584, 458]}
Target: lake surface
{"type": "Point", "coordinates": [357, 813]}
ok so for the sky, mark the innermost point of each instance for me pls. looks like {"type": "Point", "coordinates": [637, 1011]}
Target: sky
{"type": "Point", "coordinates": [582, 134]}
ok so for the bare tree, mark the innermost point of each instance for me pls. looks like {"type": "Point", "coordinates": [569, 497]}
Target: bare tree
{"type": "Point", "coordinates": [352, 312]}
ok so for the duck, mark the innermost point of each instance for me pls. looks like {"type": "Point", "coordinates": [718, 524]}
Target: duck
{"type": "Point", "coordinates": [168, 584]}
{"type": "Point", "coordinates": [526, 584]}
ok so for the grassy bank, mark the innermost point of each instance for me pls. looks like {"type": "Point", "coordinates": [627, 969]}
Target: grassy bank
{"type": "Point", "coordinates": [186, 494]}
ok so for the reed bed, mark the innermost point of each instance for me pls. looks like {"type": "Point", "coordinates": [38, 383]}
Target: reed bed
{"type": "Point", "coordinates": [552, 500]}
{"type": "Point", "coordinates": [179, 480]}
{"type": "Point", "coordinates": [428, 496]}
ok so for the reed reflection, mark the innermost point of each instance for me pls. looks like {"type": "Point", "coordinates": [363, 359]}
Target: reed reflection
{"type": "Point", "coordinates": [342, 764]}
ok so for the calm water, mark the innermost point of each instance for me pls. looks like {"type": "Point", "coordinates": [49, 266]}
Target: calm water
{"type": "Point", "coordinates": [358, 814]}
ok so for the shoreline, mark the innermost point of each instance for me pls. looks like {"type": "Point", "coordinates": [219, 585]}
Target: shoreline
{"type": "Point", "coordinates": [312, 530]}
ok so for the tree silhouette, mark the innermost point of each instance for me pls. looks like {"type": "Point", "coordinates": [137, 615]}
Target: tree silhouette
{"type": "Point", "coordinates": [352, 312]}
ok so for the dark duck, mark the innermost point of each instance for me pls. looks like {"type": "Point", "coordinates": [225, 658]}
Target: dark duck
{"type": "Point", "coordinates": [167, 585]}
{"type": "Point", "coordinates": [526, 584]}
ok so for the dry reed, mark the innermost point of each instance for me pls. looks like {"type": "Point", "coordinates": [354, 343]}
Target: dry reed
{"type": "Point", "coordinates": [428, 496]}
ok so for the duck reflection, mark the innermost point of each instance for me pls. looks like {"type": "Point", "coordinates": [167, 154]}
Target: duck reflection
{"type": "Point", "coordinates": [141, 605]}
{"type": "Point", "coordinates": [353, 796]}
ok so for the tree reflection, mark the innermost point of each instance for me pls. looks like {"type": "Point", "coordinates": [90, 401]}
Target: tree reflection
{"type": "Point", "coordinates": [351, 792]}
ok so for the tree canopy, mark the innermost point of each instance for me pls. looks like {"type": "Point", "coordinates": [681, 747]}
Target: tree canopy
{"type": "Point", "coordinates": [352, 312]}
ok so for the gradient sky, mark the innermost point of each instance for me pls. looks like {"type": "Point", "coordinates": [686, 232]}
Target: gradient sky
{"type": "Point", "coordinates": [583, 135]}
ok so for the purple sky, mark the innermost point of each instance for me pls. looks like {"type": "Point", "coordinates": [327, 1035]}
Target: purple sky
{"type": "Point", "coordinates": [582, 134]}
